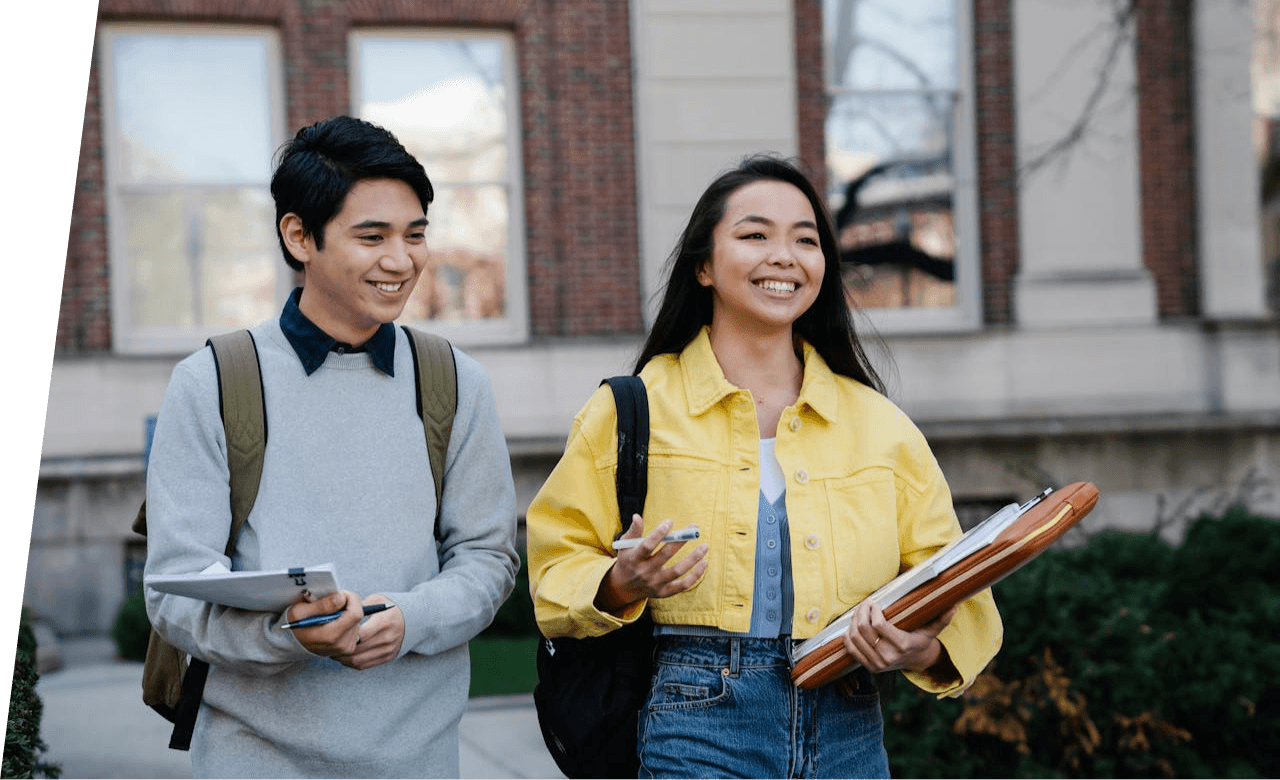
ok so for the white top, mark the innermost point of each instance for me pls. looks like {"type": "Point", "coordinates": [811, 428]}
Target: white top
{"type": "Point", "coordinates": [772, 482]}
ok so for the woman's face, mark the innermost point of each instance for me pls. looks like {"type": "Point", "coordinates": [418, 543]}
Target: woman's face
{"type": "Point", "coordinates": [766, 263]}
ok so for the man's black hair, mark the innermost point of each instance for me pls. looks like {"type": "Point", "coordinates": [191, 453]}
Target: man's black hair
{"type": "Point", "coordinates": [319, 166]}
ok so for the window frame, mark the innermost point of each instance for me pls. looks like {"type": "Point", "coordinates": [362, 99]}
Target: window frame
{"type": "Point", "coordinates": [513, 327]}
{"type": "Point", "coordinates": [966, 314]}
{"type": "Point", "coordinates": [126, 336]}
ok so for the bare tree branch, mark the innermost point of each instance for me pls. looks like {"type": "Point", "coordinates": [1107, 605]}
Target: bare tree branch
{"type": "Point", "coordinates": [1122, 34]}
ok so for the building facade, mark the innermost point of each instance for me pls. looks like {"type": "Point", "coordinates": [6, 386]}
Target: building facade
{"type": "Point", "coordinates": [1051, 215]}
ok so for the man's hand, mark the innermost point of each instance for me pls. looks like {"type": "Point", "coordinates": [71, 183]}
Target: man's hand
{"type": "Point", "coordinates": [335, 638]}
{"type": "Point", "coordinates": [640, 572]}
{"type": "Point", "coordinates": [880, 646]}
{"type": "Point", "coordinates": [379, 637]}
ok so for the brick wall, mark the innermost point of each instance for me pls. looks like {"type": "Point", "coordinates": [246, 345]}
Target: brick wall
{"type": "Point", "coordinates": [574, 63]}
{"type": "Point", "coordinates": [1166, 152]}
{"type": "Point", "coordinates": [84, 318]}
{"type": "Point", "coordinates": [997, 156]}
{"type": "Point", "coordinates": [811, 97]}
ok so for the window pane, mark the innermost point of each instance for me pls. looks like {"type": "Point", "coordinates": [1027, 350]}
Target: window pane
{"type": "Point", "coordinates": [192, 108]}
{"type": "Point", "coordinates": [444, 99]}
{"type": "Point", "coordinates": [863, 129]}
{"type": "Point", "coordinates": [467, 265]}
{"type": "Point", "coordinates": [892, 44]}
{"type": "Point", "coordinates": [1266, 108]}
{"type": "Point", "coordinates": [893, 86]}
{"type": "Point", "coordinates": [891, 191]}
{"type": "Point", "coordinates": [200, 256]}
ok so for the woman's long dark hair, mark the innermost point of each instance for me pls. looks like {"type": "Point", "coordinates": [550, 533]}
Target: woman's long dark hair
{"type": "Point", "coordinates": [686, 304]}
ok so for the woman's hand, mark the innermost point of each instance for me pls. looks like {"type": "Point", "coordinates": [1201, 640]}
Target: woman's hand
{"type": "Point", "coordinates": [880, 646]}
{"type": "Point", "coordinates": [642, 572]}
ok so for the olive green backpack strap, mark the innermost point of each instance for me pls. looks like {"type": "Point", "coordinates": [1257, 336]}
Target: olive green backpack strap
{"type": "Point", "coordinates": [244, 419]}
{"type": "Point", "coordinates": [437, 375]}
{"type": "Point", "coordinates": [170, 685]}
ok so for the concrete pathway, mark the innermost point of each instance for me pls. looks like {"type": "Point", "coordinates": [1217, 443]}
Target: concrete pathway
{"type": "Point", "coordinates": [95, 725]}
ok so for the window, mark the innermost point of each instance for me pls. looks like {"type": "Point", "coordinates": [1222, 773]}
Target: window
{"type": "Point", "coordinates": [1266, 110]}
{"type": "Point", "coordinates": [900, 159]}
{"type": "Point", "coordinates": [191, 120]}
{"type": "Point", "coordinates": [450, 96]}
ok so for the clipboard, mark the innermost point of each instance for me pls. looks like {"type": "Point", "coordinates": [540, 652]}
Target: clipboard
{"type": "Point", "coordinates": [261, 591]}
{"type": "Point", "coordinates": [952, 575]}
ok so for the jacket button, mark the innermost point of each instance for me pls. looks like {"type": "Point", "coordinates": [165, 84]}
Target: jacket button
{"type": "Point", "coordinates": [811, 541]}
{"type": "Point", "coordinates": [812, 615]}
{"type": "Point", "coordinates": [802, 476]}
{"type": "Point", "coordinates": [795, 424]}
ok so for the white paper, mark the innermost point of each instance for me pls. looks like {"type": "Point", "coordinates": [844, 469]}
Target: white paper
{"type": "Point", "coordinates": [262, 591]}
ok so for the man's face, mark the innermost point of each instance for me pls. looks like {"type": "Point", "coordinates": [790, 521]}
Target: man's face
{"type": "Point", "coordinates": [375, 248]}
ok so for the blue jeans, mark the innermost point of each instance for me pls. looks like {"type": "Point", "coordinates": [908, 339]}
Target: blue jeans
{"type": "Point", "coordinates": [725, 707]}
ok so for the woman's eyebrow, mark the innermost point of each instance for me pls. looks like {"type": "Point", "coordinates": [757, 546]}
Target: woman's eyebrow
{"type": "Point", "coordinates": [804, 223]}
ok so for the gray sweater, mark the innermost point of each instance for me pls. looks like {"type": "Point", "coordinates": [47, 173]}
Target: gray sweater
{"type": "Point", "coordinates": [346, 480]}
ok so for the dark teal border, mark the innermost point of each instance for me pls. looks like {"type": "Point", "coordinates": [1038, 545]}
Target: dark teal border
{"type": "Point", "coordinates": [44, 56]}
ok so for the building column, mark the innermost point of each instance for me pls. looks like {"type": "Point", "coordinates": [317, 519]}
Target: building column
{"type": "Point", "coordinates": [1079, 215]}
{"type": "Point", "coordinates": [714, 81]}
{"type": "Point", "coordinates": [1233, 282]}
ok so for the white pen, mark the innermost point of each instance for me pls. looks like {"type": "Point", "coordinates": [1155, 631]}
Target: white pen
{"type": "Point", "coordinates": [683, 535]}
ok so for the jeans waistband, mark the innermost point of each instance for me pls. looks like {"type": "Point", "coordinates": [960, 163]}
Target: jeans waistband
{"type": "Point", "coordinates": [736, 653]}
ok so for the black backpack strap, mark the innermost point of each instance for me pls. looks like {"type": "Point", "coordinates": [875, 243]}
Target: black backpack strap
{"type": "Point", "coordinates": [244, 419]}
{"type": "Point", "coordinates": [437, 393]}
{"type": "Point", "coordinates": [632, 402]}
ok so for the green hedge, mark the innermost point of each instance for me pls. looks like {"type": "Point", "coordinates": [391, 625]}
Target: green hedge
{"type": "Point", "coordinates": [22, 744]}
{"type": "Point", "coordinates": [132, 628]}
{"type": "Point", "coordinates": [1126, 657]}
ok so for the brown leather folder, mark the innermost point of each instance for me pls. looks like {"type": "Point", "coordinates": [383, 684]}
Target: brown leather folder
{"type": "Point", "coordinates": [1025, 538]}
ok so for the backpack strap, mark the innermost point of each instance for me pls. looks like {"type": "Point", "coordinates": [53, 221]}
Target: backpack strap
{"type": "Point", "coordinates": [244, 419]}
{"type": "Point", "coordinates": [632, 402]}
{"type": "Point", "coordinates": [437, 393]}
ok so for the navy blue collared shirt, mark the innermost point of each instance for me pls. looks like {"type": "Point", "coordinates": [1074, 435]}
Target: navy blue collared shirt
{"type": "Point", "coordinates": [313, 345]}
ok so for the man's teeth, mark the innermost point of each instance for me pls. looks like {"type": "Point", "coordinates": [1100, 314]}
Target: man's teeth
{"type": "Point", "coordinates": [778, 286]}
{"type": "Point", "coordinates": [385, 287]}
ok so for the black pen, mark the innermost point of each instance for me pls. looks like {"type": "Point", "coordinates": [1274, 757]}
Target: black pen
{"type": "Point", "coordinates": [329, 617]}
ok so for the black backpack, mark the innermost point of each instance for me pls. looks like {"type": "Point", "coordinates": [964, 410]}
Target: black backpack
{"type": "Point", "coordinates": [590, 691]}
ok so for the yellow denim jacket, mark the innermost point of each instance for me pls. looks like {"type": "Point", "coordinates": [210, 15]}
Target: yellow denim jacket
{"type": "Point", "coordinates": [865, 498]}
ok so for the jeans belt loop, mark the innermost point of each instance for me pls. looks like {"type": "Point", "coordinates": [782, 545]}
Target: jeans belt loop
{"type": "Point", "coordinates": [735, 648]}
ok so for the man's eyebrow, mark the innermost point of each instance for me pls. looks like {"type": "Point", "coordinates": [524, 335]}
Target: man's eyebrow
{"type": "Point", "coordinates": [377, 224]}
{"type": "Point", "coordinates": [804, 223]}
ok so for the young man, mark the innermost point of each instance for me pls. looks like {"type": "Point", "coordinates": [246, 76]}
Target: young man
{"type": "Point", "coordinates": [346, 479]}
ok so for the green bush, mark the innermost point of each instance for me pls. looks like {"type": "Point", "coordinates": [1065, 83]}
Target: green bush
{"type": "Point", "coordinates": [132, 629]}
{"type": "Point", "coordinates": [22, 744]}
{"type": "Point", "coordinates": [1126, 657]}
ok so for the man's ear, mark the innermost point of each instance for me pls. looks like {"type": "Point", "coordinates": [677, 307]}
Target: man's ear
{"type": "Point", "coordinates": [295, 237]}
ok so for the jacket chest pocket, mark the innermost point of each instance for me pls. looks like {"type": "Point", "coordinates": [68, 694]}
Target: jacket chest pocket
{"type": "Point", "coordinates": [682, 491]}
{"type": "Point", "coordinates": [864, 526]}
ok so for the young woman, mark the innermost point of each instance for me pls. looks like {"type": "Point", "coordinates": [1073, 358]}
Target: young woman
{"type": "Point", "coordinates": [771, 433]}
